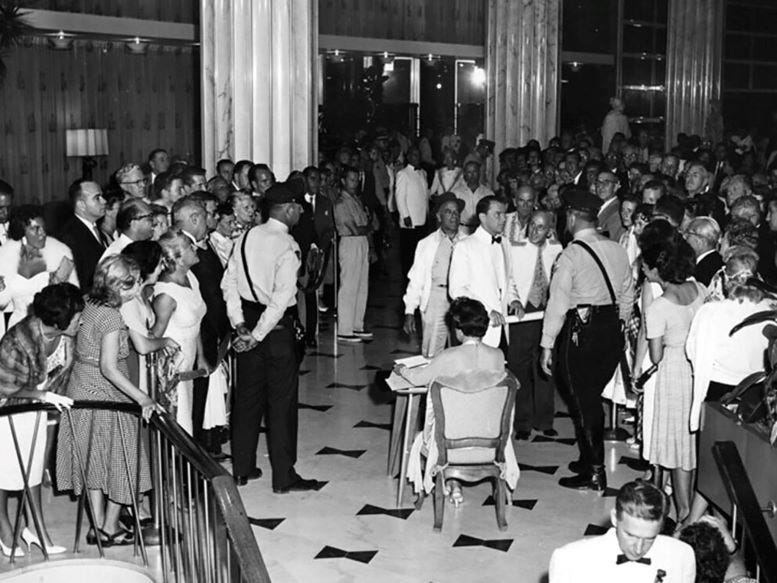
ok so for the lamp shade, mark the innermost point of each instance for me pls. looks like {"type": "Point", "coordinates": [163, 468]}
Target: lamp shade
{"type": "Point", "coordinates": [86, 142]}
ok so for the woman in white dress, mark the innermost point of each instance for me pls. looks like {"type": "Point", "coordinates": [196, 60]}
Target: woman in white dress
{"type": "Point", "coordinates": [179, 308]}
{"type": "Point", "coordinates": [36, 356]}
{"type": "Point", "coordinates": [30, 260]}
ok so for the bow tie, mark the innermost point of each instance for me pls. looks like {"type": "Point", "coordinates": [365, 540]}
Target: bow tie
{"type": "Point", "coordinates": [624, 559]}
{"type": "Point", "coordinates": [496, 239]}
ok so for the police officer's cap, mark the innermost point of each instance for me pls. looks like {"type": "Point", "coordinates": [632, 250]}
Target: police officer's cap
{"type": "Point", "coordinates": [281, 193]}
{"type": "Point", "coordinates": [449, 197]}
{"type": "Point", "coordinates": [581, 200]}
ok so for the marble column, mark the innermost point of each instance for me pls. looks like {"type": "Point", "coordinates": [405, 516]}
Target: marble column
{"type": "Point", "coordinates": [258, 70]}
{"type": "Point", "coordinates": [693, 64]}
{"type": "Point", "coordinates": [523, 69]}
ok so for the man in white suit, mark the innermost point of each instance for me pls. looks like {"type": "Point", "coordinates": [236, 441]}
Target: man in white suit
{"type": "Point", "coordinates": [427, 288]}
{"type": "Point", "coordinates": [480, 270]}
{"type": "Point", "coordinates": [531, 262]}
{"type": "Point", "coordinates": [412, 200]}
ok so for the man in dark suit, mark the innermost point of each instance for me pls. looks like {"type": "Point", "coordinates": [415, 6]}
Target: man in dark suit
{"type": "Point", "coordinates": [315, 230]}
{"type": "Point", "coordinates": [703, 234]}
{"type": "Point", "coordinates": [609, 217]}
{"type": "Point", "coordinates": [81, 232]}
{"type": "Point", "coordinates": [191, 216]}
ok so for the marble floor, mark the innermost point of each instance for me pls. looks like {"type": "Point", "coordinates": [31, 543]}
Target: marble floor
{"type": "Point", "coordinates": [351, 530]}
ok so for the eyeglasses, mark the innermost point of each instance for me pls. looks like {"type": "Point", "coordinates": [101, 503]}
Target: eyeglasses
{"type": "Point", "coordinates": [142, 181]}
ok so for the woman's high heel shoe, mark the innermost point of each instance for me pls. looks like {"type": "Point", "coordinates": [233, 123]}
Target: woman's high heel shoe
{"type": "Point", "coordinates": [7, 551]}
{"type": "Point", "coordinates": [30, 539]}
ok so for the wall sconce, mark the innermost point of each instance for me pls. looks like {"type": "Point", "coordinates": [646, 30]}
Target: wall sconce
{"type": "Point", "coordinates": [137, 47]}
{"type": "Point", "coordinates": [60, 42]}
{"type": "Point", "coordinates": [86, 143]}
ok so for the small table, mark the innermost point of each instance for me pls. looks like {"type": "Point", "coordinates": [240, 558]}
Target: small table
{"type": "Point", "coordinates": [405, 413]}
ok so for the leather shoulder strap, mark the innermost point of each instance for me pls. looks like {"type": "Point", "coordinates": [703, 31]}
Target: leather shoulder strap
{"type": "Point", "coordinates": [601, 267]}
{"type": "Point", "coordinates": [245, 265]}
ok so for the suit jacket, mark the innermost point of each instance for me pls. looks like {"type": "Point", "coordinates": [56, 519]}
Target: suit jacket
{"type": "Point", "coordinates": [315, 226]}
{"type": "Point", "coordinates": [708, 267]}
{"type": "Point", "coordinates": [610, 221]}
{"type": "Point", "coordinates": [473, 274]}
{"type": "Point", "coordinates": [86, 249]}
{"type": "Point", "coordinates": [215, 325]}
{"type": "Point", "coordinates": [523, 261]}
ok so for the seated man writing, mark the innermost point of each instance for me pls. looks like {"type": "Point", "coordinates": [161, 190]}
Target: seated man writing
{"type": "Point", "coordinates": [471, 366]}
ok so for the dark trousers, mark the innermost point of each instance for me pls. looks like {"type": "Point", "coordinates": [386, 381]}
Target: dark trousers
{"type": "Point", "coordinates": [535, 399]}
{"type": "Point", "coordinates": [586, 358]}
{"type": "Point", "coordinates": [408, 240]}
{"type": "Point", "coordinates": [199, 397]}
{"type": "Point", "coordinates": [267, 386]}
{"type": "Point", "coordinates": [311, 314]}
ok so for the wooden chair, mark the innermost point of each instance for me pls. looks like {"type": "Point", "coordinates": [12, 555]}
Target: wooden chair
{"type": "Point", "coordinates": [471, 431]}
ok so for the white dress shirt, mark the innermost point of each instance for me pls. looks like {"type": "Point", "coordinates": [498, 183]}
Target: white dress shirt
{"type": "Point", "coordinates": [593, 560]}
{"type": "Point", "coordinates": [116, 247]}
{"type": "Point", "coordinates": [273, 257]}
{"type": "Point", "coordinates": [480, 270]}
{"type": "Point", "coordinates": [412, 196]}
{"type": "Point", "coordinates": [446, 179]}
{"type": "Point", "coordinates": [470, 198]}
{"type": "Point", "coordinates": [523, 260]}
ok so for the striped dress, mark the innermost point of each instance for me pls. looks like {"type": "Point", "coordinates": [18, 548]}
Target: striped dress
{"type": "Point", "coordinates": [100, 432]}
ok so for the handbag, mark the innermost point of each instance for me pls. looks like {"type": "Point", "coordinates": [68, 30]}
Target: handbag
{"type": "Point", "coordinates": [297, 327]}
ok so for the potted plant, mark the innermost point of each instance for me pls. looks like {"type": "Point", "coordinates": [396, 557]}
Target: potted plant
{"type": "Point", "coordinates": [13, 27]}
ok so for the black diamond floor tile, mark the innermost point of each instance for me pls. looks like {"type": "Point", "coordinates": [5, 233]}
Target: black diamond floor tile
{"type": "Point", "coordinates": [371, 425]}
{"type": "Point", "coordinates": [525, 504]}
{"type": "Point", "coordinates": [268, 523]}
{"type": "Point", "coordinates": [345, 386]}
{"type": "Point", "coordinates": [550, 470]}
{"type": "Point", "coordinates": [352, 453]}
{"type": "Point", "coordinates": [370, 367]}
{"type": "Point", "coordinates": [471, 541]}
{"type": "Point", "coordinates": [595, 530]}
{"type": "Point", "coordinates": [334, 553]}
{"type": "Point", "coordinates": [321, 408]}
{"type": "Point", "coordinates": [369, 510]}
{"type": "Point", "coordinates": [610, 492]}
{"type": "Point", "coordinates": [302, 373]}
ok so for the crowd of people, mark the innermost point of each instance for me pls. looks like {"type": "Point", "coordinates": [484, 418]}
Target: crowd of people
{"type": "Point", "coordinates": [591, 266]}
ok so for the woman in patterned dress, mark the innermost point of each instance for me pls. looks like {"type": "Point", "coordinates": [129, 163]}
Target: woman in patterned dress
{"type": "Point", "coordinates": [104, 441]}
{"type": "Point", "coordinates": [668, 320]}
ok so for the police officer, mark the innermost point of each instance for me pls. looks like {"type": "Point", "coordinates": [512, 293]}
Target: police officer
{"type": "Point", "coordinates": [260, 287]}
{"type": "Point", "coordinates": [583, 321]}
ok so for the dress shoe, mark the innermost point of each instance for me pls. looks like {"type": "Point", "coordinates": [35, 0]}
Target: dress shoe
{"type": "Point", "coordinates": [595, 480]}
{"type": "Point", "coordinates": [550, 433]}
{"type": "Point", "coordinates": [522, 435]}
{"type": "Point", "coordinates": [299, 485]}
{"type": "Point", "coordinates": [254, 474]}
{"type": "Point", "coordinates": [363, 334]}
{"type": "Point", "coordinates": [30, 539]}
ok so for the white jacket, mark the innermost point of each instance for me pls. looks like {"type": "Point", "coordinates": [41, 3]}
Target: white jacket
{"type": "Point", "coordinates": [412, 196]}
{"type": "Point", "coordinates": [523, 260]}
{"type": "Point", "coordinates": [419, 285]}
{"type": "Point", "coordinates": [473, 274]}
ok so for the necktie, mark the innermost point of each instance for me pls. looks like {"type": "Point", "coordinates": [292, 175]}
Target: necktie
{"type": "Point", "coordinates": [539, 285]}
{"type": "Point", "coordinates": [496, 239]}
{"type": "Point", "coordinates": [99, 234]}
{"type": "Point", "coordinates": [311, 201]}
{"type": "Point", "coordinates": [624, 559]}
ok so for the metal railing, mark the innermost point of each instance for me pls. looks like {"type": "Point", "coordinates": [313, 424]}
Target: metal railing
{"type": "Point", "coordinates": [203, 529]}
{"type": "Point", "coordinates": [746, 514]}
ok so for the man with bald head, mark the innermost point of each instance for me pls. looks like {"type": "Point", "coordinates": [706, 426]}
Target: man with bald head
{"type": "Point", "coordinates": [81, 233]}
{"type": "Point", "coordinates": [703, 235]}
{"type": "Point", "coordinates": [191, 217]}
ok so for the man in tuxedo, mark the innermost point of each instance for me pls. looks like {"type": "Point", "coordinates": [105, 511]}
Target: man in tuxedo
{"type": "Point", "coordinates": [315, 232]}
{"type": "Point", "coordinates": [81, 233]}
{"type": "Point", "coordinates": [480, 269]}
{"type": "Point", "coordinates": [412, 200]}
{"type": "Point", "coordinates": [190, 216]}
{"type": "Point", "coordinates": [703, 234]}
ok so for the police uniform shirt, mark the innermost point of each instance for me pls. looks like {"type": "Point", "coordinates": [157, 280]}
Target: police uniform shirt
{"type": "Point", "coordinates": [273, 258]}
{"type": "Point", "coordinates": [578, 280]}
{"type": "Point", "coordinates": [595, 560]}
